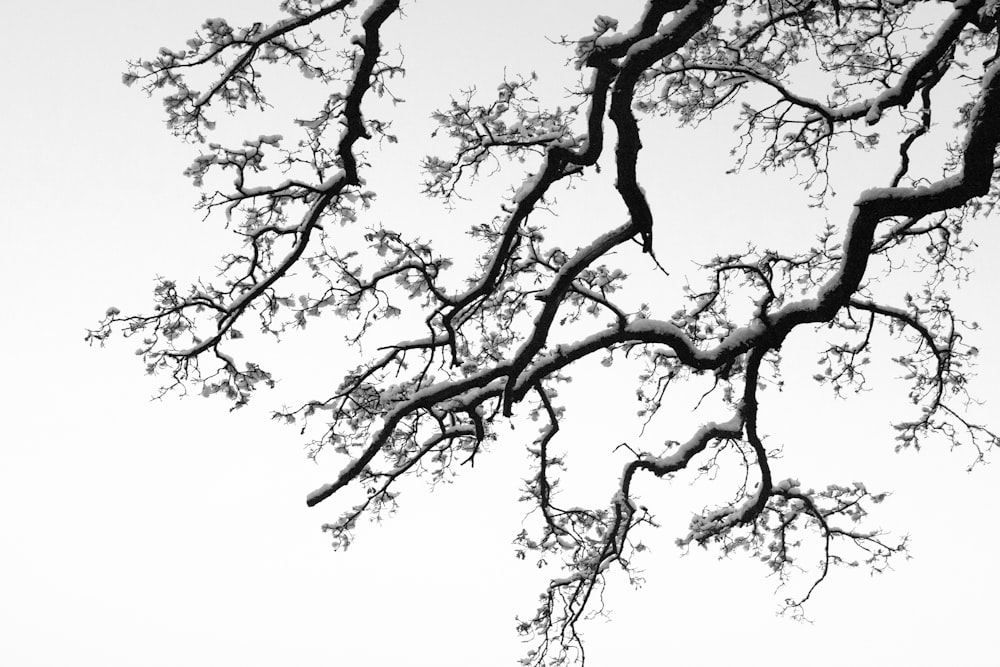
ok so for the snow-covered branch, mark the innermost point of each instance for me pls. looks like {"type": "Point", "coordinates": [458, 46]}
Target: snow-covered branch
{"type": "Point", "coordinates": [492, 345]}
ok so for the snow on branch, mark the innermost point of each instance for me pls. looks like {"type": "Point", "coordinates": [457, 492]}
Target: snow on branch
{"type": "Point", "coordinates": [493, 344]}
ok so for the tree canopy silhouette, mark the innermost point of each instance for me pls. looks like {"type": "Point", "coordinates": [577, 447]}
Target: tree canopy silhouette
{"type": "Point", "coordinates": [801, 78]}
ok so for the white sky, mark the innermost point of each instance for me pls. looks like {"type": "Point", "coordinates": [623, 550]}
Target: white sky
{"type": "Point", "coordinates": [139, 533]}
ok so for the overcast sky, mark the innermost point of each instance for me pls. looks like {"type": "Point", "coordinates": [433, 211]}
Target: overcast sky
{"type": "Point", "coordinates": [139, 533]}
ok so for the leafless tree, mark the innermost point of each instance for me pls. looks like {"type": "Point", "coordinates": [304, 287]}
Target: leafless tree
{"type": "Point", "coordinates": [489, 342]}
